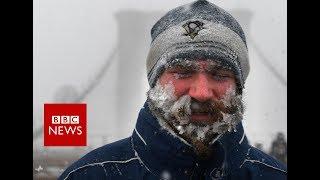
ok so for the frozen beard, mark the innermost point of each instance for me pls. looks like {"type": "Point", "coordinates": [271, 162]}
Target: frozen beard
{"type": "Point", "coordinates": [174, 114]}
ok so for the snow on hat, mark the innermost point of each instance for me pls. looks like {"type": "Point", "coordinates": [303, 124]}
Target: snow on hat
{"type": "Point", "coordinates": [198, 30]}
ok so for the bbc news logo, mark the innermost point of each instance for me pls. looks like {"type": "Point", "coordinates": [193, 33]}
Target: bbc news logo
{"type": "Point", "coordinates": [64, 120]}
{"type": "Point", "coordinates": [65, 125]}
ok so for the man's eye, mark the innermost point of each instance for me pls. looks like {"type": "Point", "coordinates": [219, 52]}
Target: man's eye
{"type": "Point", "coordinates": [220, 77]}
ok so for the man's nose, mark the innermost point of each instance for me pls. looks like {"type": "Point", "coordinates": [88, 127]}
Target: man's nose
{"type": "Point", "coordinates": [200, 88]}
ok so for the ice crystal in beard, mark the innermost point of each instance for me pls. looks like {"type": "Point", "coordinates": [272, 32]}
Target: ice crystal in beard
{"type": "Point", "coordinates": [181, 110]}
{"type": "Point", "coordinates": [229, 97]}
{"type": "Point", "coordinates": [230, 120]}
{"type": "Point", "coordinates": [198, 132]}
{"type": "Point", "coordinates": [193, 131]}
{"type": "Point", "coordinates": [162, 98]}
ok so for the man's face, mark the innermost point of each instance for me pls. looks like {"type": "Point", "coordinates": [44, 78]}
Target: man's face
{"type": "Point", "coordinates": [197, 99]}
{"type": "Point", "coordinates": [204, 81]}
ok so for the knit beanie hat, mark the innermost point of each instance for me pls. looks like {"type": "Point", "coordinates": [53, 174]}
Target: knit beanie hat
{"type": "Point", "coordinates": [199, 30]}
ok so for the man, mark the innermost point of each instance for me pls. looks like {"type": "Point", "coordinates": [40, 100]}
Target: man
{"type": "Point", "coordinates": [279, 148]}
{"type": "Point", "coordinates": [190, 126]}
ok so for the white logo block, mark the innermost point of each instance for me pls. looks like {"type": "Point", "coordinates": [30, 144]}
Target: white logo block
{"type": "Point", "coordinates": [65, 119]}
{"type": "Point", "coordinates": [55, 119]}
{"type": "Point", "coordinates": [74, 120]}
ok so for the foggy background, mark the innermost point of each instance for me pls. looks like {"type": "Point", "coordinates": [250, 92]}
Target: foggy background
{"type": "Point", "coordinates": [94, 51]}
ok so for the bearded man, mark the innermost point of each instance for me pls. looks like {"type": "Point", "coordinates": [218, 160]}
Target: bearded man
{"type": "Point", "coordinates": [190, 126]}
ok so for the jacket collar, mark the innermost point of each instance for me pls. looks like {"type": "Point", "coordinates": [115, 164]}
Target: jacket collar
{"type": "Point", "coordinates": [161, 152]}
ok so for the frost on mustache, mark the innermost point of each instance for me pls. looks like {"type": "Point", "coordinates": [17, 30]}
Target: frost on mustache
{"type": "Point", "coordinates": [228, 122]}
{"type": "Point", "coordinates": [177, 112]}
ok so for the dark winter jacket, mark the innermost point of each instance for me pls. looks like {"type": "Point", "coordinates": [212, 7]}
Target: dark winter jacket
{"type": "Point", "coordinates": [153, 153]}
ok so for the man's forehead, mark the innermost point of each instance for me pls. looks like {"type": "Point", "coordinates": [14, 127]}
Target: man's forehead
{"type": "Point", "coordinates": [205, 63]}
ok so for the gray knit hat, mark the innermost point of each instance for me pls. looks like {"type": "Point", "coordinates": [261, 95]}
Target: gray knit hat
{"type": "Point", "coordinates": [198, 30]}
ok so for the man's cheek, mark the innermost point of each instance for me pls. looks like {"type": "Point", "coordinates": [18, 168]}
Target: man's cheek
{"type": "Point", "coordinates": [166, 78]}
{"type": "Point", "coordinates": [181, 88]}
{"type": "Point", "coordinates": [224, 90]}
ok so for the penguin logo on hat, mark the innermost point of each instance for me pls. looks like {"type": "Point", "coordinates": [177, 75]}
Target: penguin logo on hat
{"type": "Point", "coordinates": [192, 28]}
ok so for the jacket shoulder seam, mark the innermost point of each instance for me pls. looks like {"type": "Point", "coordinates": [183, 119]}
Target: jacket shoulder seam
{"type": "Point", "coordinates": [265, 164]}
{"type": "Point", "coordinates": [100, 164]}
